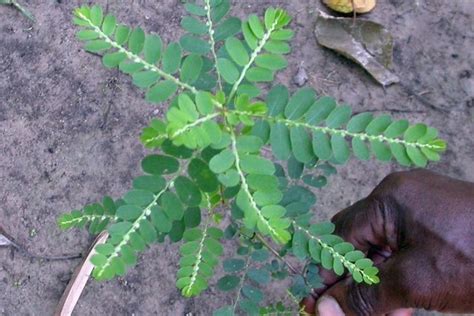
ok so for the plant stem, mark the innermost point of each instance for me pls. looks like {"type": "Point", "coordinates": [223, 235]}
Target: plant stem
{"type": "Point", "coordinates": [275, 253]}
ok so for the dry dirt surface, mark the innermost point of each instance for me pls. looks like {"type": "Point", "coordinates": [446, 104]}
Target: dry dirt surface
{"type": "Point", "coordinates": [69, 128]}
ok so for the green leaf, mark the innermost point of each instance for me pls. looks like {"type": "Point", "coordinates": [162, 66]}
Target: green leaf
{"type": "Point", "coordinates": [176, 151]}
{"type": "Point", "coordinates": [339, 116]}
{"type": "Point", "coordinates": [199, 171]}
{"type": "Point", "coordinates": [322, 228]}
{"type": "Point", "coordinates": [300, 244]}
{"type": "Point", "coordinates": [256, 165]}
{"type": "Point", "coordinates": [187, 191]}
{"type": "Point", "coordinates": [153, 47]}
{"type": "Point", "coordinates": [269, 17]}
{"type": "Point", "coordinates": [252, 293]}
{"type": "Point", "coordinates": [121, 34]}
{"type": "Point", "coordinates": [381, 150]}
{"type": "Point", "coordinates": [129, 212]}
{"type": "Point", "coordinates": [96, 15]}
{"type": "Point", "coordinates": [144, 79]}
{"type": "Point", "coordinates": [147, 231]}
{"type": "Point", "coordinates": [396, 128]}
{"type": "Point", "coordinates": [360, 149]}
{"type": "Point", "coordinates": [249, 144]}
{"type": "Point", "coordinates": [237, 51]}
{"type": "Point", "coordinates": [316, 182]}
{"type": "Point", "coordinates": [257, 74]}
{"type": "Point", "coordinates": [228, 28]}
{"type": "Point", "coordinates": [416, 156]}
{"type": "Point", "coordinates": [277, 47]}
{"type": "Point", "coordinates": [322, 145]}
{"type": "Point", "coordinates": [191, 68]}
{"type": "Point", "coordinates": [277, 99]}
{"type": "Point", "coordinates": [86, 35]}
{"type": "Point", "coordinates": [159, 164]}
{"type": "Point", "coordinates": [194, 44]}
{"type": "Point", "coordinates": [301, 144]}
{"type": "Point", "coordinates": [233, 265]}
{"type": "Point", "coordinates": [112, 60]}
{"type": "Point", "coordinates": [222, 161]}
{"type": "Point", "coordinates": [96, 46]}
{"type": "Point", "coordinates": [192, 217]}
{"type": "Point", "coordinates": [161, 91]}
{"type": "Point", "coordinates": [282, 35]}
{"type": "Point", "coordinates": [249, 37]}
{"type": "Point", "coordinates": [195, 9]}
{"type": "Point", "coordinates": [340, 148]}
{"type": "Point", "coordinates": [193, 25]}
{"type": "Point", "coordinates": [430, 154]}
{"type": "Point", "coordinates": [415, 132]}
{"type": "Point", "coordinates": [295, 168]}
{"type": "Point", "coordinates": [299, 103]}
{"type": "Point", "coordinates": [359, 122]}
{"type": "Point", "coordinates": [326, 259]}
{"type": "Point", "coordinates": [136, 41]}
{"type": "Point", "coordinates": [378, 125]}
{"type": "Point", "coordinates": [400, 154]}
{"type": "Point", "coordinates": [260, 276]}
{"type": "Point", "coordinates": [256, 26]}
{"type": "Point", "coordinates": [320, 110]}
{"type": "Point", "coordinates": [172, 206]}
{"type": "Point", "coordinates": [219, 10]}
{"type": "Point", "coordinates": [172, 58]}
{"type": "Point", "coordinates": [204, 102]}
{"type": "Point", "coordinates": [228, 283]}
{"type": "Point", "coordinates": [139, 197]}
{"type": "Point", "coordinates": [160, 220]}
{"type": "Point", "coordinates": [227, 69]}
{"type": "Point", "coordinates": [224, 311]}
{"type": "Point", "coordinates": [272, 62]}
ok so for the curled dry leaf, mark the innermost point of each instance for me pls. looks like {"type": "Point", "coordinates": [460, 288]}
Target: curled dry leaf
{"type": "Point", "coordinates": [78, 281]}
{"type": "Point", "coordinates": [348, 6]}
{"type": "Point", "coordinates": [367, 43]}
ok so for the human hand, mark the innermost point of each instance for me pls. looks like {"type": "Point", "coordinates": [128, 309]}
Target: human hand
{"type": "Point", "coordinates": [418, 228]}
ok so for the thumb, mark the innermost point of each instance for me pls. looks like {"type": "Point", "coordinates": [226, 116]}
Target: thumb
{"type": "Point", "coordinates": [396, 290]}
{"type": "Point", "coordinates": [328, 306]}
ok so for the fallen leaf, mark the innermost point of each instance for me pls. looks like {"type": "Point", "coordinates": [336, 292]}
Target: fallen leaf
{"type": "Point", "coordinates": [78, 281]}
{"type": "Point", "coordinates": [5, 239]}
{"type": "Point", "coordinates": [367, 43]}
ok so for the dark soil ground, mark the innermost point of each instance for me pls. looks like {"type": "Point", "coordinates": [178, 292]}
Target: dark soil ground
{"type": "Point", "coordinates": [68, 133]}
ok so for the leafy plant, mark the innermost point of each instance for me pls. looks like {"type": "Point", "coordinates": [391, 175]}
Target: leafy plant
{"type": "Point", "coordinates": [211, 178]}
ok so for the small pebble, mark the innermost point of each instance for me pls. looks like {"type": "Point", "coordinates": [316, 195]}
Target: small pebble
{"type": "Point", "coordinates": [301, 76]}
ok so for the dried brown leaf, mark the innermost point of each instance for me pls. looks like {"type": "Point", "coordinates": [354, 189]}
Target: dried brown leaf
{"type": "Point", "coordinates": [78, 281]}
{"type": "Point", "coordinates": [367, 43]}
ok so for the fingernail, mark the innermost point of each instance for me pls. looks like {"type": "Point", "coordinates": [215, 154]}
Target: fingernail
{"type": "Point", "coordinates": [328, 306]}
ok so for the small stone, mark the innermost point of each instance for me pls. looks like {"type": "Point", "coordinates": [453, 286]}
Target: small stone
{"type": "Point", "coordinates": [301, 76]}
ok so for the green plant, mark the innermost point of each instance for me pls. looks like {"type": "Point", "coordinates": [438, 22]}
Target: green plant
{"type": "Point", "coordinates": [212, 168]}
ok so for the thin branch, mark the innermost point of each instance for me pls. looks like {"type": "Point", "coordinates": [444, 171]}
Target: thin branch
{"type": "Point", "coordinates": [334, 131]}
{"type": "Point", "coordinates": [212, 41]}
{"type": "Point", "coordinates": [275, 253]}
{"type": "Point", "coordinates": [253, 56]}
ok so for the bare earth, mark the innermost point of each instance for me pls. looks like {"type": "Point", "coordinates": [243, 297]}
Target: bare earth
{"type": "Point", "coordinates": [68, 133]}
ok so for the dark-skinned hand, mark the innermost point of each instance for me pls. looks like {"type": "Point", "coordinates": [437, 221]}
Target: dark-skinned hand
{"type": "Point", "coordinates": [418, 227]}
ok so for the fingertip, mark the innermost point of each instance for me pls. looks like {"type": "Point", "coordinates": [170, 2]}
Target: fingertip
{"type": "Point", "coordinates": [309, 305]}
{"type": "Point", "coordinates": [402, 312]}
{"type": "Point", "coordinates": [328, 306]}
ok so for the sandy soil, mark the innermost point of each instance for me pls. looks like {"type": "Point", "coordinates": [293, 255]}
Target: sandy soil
{"type": "Point", "coordinates": [68, 133]}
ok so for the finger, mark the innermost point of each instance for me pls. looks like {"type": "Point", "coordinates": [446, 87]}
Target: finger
{"type": "Point", "coordinates": [369, 225]}
{"type": "Point", "coordinates": [401, 312]}
{"type": "Point", "coordinates": [396, 290]}
{"type": "Point", "coordinates": [309, 305]}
